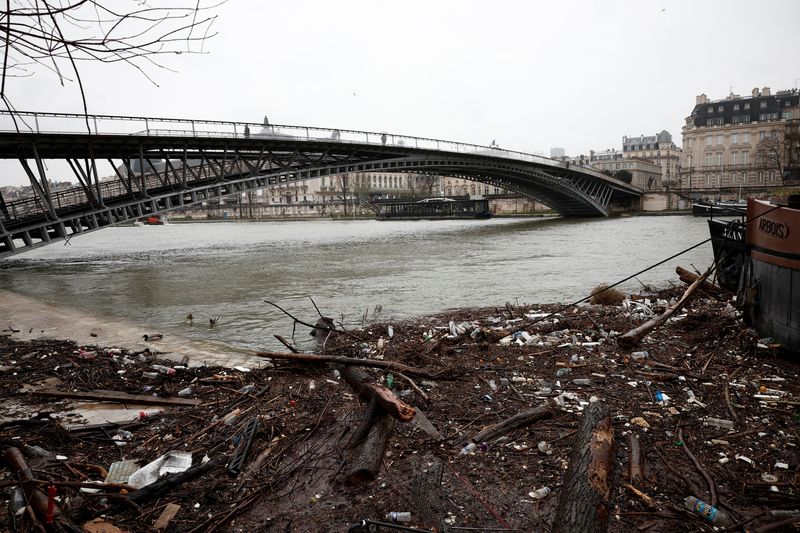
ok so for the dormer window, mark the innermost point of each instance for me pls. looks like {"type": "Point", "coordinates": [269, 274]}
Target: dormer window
{"type": "Point", "coordinates": [763, 105]}
{"type": "Point", "coordinates": [747, 106]}
{"type": "Point", "coordinates": [736, 107]}
{"type": "Point", "coordinates": [711, 109]}
{"type": "Point", "coordinates": [720, 109]}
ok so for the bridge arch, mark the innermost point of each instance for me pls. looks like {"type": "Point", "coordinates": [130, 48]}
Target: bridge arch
{"type": "Point", "coordinates": [232, 162]}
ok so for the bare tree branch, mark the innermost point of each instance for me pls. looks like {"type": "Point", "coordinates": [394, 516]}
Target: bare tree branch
{"type": "Point", "coordinates": [63, 33]}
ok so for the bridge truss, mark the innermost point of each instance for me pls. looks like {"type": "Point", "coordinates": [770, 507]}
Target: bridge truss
{"type": "Point", "coordinates": [166, 164]}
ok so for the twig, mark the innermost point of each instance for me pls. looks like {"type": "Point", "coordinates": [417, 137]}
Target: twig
{"type": "Point", "coordinates": [286, 343]}
{"type": "Point", "coordinates": [728, 401]}
{"type": "Point", "coordinates": [712, 487]}
{"type": "Point", "coordinates": [312, 326]}
{"type": "Point", "coordinates": [414, 386]}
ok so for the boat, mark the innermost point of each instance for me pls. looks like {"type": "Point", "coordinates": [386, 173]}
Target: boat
{"type": "Point", "coordinates": [764, 253]}
{"type": "Point", "coordinates": [719, 209]}
{"type": "Point", "coordinates": [152, 221]}
{"type": "Point", "coordinates": [433, 208]}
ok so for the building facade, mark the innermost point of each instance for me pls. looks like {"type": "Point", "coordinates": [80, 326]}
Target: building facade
{"type": "Point", "coordinates": [738, 142]}
{"type": "Point", "coordinates": [657, 148]}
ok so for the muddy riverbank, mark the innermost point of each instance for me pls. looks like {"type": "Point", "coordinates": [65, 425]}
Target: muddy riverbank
{"type": "Point", "coordinates": [700, 385]}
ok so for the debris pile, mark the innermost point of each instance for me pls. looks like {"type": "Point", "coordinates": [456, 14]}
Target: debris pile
{"type": "Point", "coordinates": [511, 418]}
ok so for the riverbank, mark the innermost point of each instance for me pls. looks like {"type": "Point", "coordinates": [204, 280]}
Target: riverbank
{"type": "Point", "coordinates": [701, 385]}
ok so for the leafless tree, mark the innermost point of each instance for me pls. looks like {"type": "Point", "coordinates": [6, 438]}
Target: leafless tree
{"type": "Point", "coordinates": [343, 188]}
{"type": "Point", "coordinates": [770, 153]}
{"type": "Point", "coordinates": [57, 35]}
{"type": "Point", "coordinates": [425, 183]}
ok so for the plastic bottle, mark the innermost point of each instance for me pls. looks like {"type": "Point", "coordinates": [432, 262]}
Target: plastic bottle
{"type": "Point", "coordinates": [469, 448]}
{"type": "Point", "coordinates": [185, 392]}
{"type": "Point", "coordinates": [164, 369]}
{"type": "Point", "coordinates": [561, 372]}
{"type": "Point", "coordinates": [396, 517]}
{"type": "Point", "coordinates": [640, 355]}
{"type": "Point", "coordinates": [149, 413]}
{"type": "Point", "coordinates": [538, 494]}
{"type": "Point", "coordinates": [231, 417]}
{"type": "Point", "coordinates": [712, 514]}
{"type": "Point", "coordinates": [247, 389]}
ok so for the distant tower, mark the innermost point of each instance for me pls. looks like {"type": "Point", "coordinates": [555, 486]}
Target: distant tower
{"type": "Point", "coordinates": [557, 153]}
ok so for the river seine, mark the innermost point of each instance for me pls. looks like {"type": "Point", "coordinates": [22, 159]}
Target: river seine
{"type": "Point", "coordinates": [154, 276]}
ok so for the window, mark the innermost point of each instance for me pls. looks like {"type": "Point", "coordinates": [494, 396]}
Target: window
{"type": "Point", "coordinates": [708, 160]}
{"type": "Point", "coordinates": [734, 138]}
{"type": "Point", "coordinates": [787, 115]}
{"type": "Point", "coordinates": [689, 162]}
{"type": "Point", "coordinates": [762, 135]}
{"type": "Point", "coordinates": [747, 105]}
{"type": "Point", "coordinates": [744, 158]}
{"type": "Point", "coordinates": [719, 139]}
{"type": "Point", "coordinates": [746, 138]}
{"type": "Point", "coordinates": [763, 116]}
{"type": "Point", "coordinates": [787, 103]}
{"type": "Point", "coordinates": [736, 119]}
{"type": "Point", "coordinates": [736, 107]}
{"type": "Point", "coordinates": [719, 159]}
{"type": "Point", "coordinates": [763, 104]}
{"type": "Point", "coordinates": [709, 140]}
{"type": "Point", "coordinates": [711, 109]}
{"type": "Point", "coordinates": [733, 158]}
{"type": "Point", "coordinates": [720, 109]}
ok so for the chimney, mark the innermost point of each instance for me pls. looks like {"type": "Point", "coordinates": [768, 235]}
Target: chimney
{"type": "Point", "coordinates": [700, 99]}
{"type": "Point", "coordinates": [755, 91]}
{"type": "Point", "coordinates": [765, 91]}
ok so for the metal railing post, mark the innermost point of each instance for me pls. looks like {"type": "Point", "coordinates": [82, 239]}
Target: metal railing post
{"type": "Point", "coordinates": [146, 127]}
{"type": "Point", "coordinates": [36, 120]}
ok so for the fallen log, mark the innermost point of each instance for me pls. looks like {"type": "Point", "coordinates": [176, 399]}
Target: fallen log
{"type": "Point", "coordinates": [632, 338]}
{"type": "Point", "coordinates": [373, 392]}
{"type": "Point", "coordinates": [347, 361]}
{"type": "Point", "coordinates": [525, 418]}
{"type": "Point", "coordinates": [584, 503]}
{"type": "Point", "coordinates": [689, 277]}
{"type": "Point", "coordinates": [368, 456]}
{"type": "Point", "coordinates": [37, 499]}
{"type": "Point", "coordinates": [118, 397]}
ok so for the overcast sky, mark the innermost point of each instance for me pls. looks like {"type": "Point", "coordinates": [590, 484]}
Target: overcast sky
{"type": "Point", "coordinates": [532, 75]}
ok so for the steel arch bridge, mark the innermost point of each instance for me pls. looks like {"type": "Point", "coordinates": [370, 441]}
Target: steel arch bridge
{"type": "Point", "coordinates": [165, 164]}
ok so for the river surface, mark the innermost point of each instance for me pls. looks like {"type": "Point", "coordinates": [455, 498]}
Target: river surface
{"type": "Point", "coordinates": [155, 275]}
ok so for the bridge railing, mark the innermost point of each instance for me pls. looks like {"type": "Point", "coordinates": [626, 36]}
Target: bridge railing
{"type": "Point", "coordinates": [63, 123]}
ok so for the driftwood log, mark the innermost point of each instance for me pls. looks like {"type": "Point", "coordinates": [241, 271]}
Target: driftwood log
{"type": "Point", "coordinates": [347, 361]}
{"type": "Point", "coordinates": [584, 503]}
{"type": "Point", "coordinates": [380, 396]}
{"type": "Point", "coordinates": [689, 277]}
{"type": "Point", "coordinates": [525, 418]}
{"type": "Point", "coordinates": [368, 455]}
{"type": "Point", "coordinates": [632, 338]}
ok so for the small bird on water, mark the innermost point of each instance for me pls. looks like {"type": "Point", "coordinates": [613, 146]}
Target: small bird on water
{"type": "Point", "coordinates": [153, 338]}
{"type": "Point", "coordinates": [212, 321]}
{"type": "Point", "coordinates": [189, 318]}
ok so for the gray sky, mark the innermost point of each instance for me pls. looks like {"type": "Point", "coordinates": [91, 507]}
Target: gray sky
{"type": "Point", "coordinates": [532, 75]}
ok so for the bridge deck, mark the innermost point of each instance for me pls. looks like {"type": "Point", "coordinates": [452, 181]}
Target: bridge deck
{"type": "Point", "coordinates": [188, 162]}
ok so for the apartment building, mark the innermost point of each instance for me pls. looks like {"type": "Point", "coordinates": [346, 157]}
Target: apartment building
{"type": "Point", "coordinates": [725, 141]}
{"type": "Point", "coordinates": [657, 148]}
